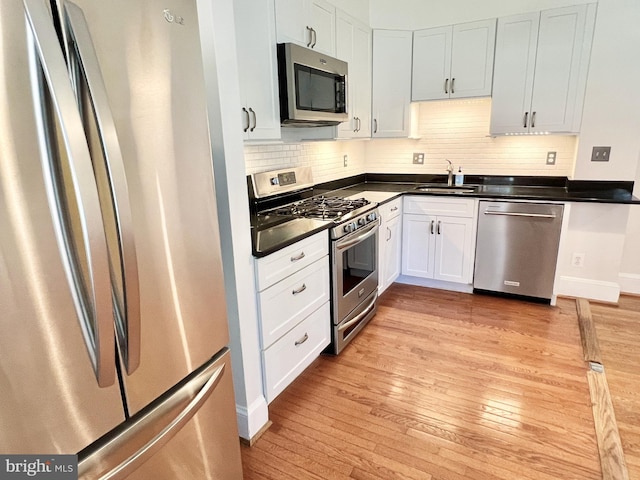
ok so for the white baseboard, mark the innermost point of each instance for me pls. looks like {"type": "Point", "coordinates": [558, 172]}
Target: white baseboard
{"type": "Point", "coordinates": [586, 288]}
{"type": "Point", "coordinates": [251, 420]}
{"type": "Point", "coordinates": [439, 284]}
{"type": "Point", "coordinates": [629, 283]}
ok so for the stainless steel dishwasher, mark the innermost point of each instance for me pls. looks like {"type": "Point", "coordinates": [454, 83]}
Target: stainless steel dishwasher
{"type": "Point", "coordinates": [517, 247]}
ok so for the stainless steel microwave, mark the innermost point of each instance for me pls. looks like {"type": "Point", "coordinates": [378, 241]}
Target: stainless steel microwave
{"type": "Point", "coordinates": [313, 87]}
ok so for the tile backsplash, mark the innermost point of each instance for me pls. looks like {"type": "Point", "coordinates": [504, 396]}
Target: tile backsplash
{"type": "Point", "coordinates": [457, 130]}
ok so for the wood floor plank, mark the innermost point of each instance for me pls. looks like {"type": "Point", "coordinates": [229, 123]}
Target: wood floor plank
{"type": "Point", "coordinates": [590, 344]}
{"type": "Point", "coordinates": [443, 386]}
{"type": "Point", "coordinates": [617, 329]}
{"type": "Point", "coordinates": [612, 459]}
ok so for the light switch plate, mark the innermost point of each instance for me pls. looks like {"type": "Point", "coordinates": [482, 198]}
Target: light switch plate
{"type": "Point", "coordinates": [600, 154]}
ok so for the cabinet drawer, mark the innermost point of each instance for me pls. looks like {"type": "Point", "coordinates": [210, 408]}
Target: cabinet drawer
{"type": "Point", "coordinates": [391, 209]}
{"type": "Point", "coordinates": [289, 356]}
{"type": "Point", "coordinates": [286, 303]}
{"type": "Point", "coordinates": [451, 207]}
{"type": "Point", "coordinates": [281, 264]}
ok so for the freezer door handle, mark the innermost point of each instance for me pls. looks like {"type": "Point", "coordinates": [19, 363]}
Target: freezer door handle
{"type": "Point", "coordinates": [53, 96]}
{"type": "Point", "coordinates": [122, 453]}
{"type": "Point", "coordinates": [127, 308]}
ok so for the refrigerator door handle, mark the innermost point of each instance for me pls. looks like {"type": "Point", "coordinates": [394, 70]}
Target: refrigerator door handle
{"type": "Point", "coordinates": [127, 321]}
{"type": "Point", "coordinates": [53, 95]}
{"type": "Point", "coordinates": [127, 450]}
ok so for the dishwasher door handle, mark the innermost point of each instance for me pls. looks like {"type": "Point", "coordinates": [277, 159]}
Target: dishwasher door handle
{"type": "Point", "coordinates": [520, 214]}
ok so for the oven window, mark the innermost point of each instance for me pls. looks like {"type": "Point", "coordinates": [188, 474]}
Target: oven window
{"type": "Point", "coordinates": [358, 262]}
{"type": "Point", "coordinates": [319, 91]}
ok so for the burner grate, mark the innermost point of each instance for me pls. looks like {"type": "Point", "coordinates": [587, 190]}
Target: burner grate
{"type": "Point", "coordinates": [322, 207]}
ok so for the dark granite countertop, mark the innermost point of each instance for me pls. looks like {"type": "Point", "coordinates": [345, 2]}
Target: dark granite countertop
{"type": "Point", "coordinates": [267, 238]}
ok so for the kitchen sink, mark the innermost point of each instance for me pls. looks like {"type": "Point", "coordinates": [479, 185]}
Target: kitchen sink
{"type": "Point", "coordinates": [444, 189]}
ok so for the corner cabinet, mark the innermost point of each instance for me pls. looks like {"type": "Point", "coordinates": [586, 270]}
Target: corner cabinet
{"type": "Point", "coordinates": [293, 303]}
{"type": "Point", "coordinates": [391, 83]}
{"type": "Point", "coordinates": [353, 45]}
{"type": "Point", "coordinates": [540, 74]}
{"type": "Point", "coordinates": [389, 243]}
{"type": "Point", "coordinates": [438, 237]}
{"type": "Point", "coordinates": [454, 61]}
{"type": "Point", "coordinates": [257, 68]}
{"type": "Point", "coordinates": [309, 23]}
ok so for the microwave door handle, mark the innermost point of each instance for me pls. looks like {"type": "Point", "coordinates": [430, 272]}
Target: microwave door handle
{"type": "Point", "coordinates": [91, 297]}
{"type": "Point", "coordinates": [127, 308]}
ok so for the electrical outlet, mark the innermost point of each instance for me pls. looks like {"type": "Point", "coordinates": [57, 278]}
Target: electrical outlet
{"type": "Point", "coordinates": [418, 158]}
{"type": "Point", "coordinates": [600, 154]}
{"type": "Point", "coordinates": [551, 158]}
{"type": "Point", "coordinates": [577, 260]}
{"type": "Point", "coordinates": [345, 160]}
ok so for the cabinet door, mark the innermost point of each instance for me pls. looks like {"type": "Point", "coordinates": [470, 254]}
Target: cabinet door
{"type": "Point", "coordinates": [323, 21]}
{"type": "Point", "coordinates": [361, 71]}
{"type": "Point", "coordinates": [431, 69]}
{"type": "Point", "coordinates": [353, 45]}
{"type": "Point", "coordinates": [472, 59]}
{"type": "Point", "coordinates": [418, 245]}
{"type": "Point", "coordinates": [515, 60]}
{"type": "Point", "coordinates": [392, 233]}
{"type": "Point", "coordinates": [391, 83]}
{"type": "Point", "coordinates": [257, 68]}
{"type": "Point", "coordinates": [558, 66]}
{"type": "Point", "coordinates": [292, 22]}
{"type": "Point", "coordinates": [453, 249]}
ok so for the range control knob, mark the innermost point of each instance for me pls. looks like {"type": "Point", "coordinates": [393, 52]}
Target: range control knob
{"type": "Point", "coordinates": [349, 227]}
{"type": "Point", "coordinates": [372, 216]}
{"type": "Point", "coordinates": [361, 221]}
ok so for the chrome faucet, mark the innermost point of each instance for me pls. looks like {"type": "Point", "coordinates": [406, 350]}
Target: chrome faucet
{"type": "Point", "coordinates": [450, 173]}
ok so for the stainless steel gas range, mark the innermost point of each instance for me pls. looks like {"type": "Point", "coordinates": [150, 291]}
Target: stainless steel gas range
{"type": "Point", "coordinates": [283, 201]}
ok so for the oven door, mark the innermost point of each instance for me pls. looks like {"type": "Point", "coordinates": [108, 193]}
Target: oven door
{"type": "Point", "coordinates": [355, 270]}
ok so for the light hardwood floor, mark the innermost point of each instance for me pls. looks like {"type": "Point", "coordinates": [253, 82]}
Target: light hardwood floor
{"type": "Point", "coordinates": [441, 385]}
{"type": "Point", "coordinates": [618, 331]}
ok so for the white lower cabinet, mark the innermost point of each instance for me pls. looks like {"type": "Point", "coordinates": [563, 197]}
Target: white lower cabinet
{"type": "Point", "coordinates": [293, 303]}
{"type": "Point", "coordinates": [438, 237]}
{"type": "Point", "coordinates": [389, 243]}
{"type": "Point", "coordinates": [289, 356]}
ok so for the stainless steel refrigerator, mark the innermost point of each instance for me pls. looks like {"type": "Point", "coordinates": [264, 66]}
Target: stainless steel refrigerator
{"type": "Point", "coordinates": [113, 328]}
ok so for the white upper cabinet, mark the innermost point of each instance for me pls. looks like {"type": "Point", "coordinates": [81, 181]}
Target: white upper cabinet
{"type": "Point", "coordinates": [353, 45]}
{"type": "Point", "coordinates": [391, 83]}
{"type": "Point", "coordinates": [257, 68]}
{"type": "Point", "coordinates": [540, 71]}
{"type": "Point", "coordinates": [310, 23]}
{"type": "Point", "coordinates": [454, 61]}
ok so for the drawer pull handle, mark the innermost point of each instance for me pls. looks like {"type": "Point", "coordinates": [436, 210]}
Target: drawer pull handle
{"type": "Point", "coordinates": [394, 209]}
{"type": "Point", "coordinates": [299, 290]}
{"type": "Point", "coordinates": [302, 340]}
{"type": "Point", "coordinates": [298, 257]}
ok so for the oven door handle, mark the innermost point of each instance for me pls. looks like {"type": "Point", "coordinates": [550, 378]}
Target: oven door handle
{"type": "Point", "coordinates": [340, 245]}
{"type": "Point", "coordinates": [360, 316]}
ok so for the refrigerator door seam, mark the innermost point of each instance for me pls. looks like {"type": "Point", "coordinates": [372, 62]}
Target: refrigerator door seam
{"type": "Point", "coordinates": [128, 325]}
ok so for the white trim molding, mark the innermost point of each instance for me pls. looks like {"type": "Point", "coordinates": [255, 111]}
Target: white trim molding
{"type": "Point", "coordinates": [587, 288]}
{"type": "Point", "coordinates": [252, 419]}
{"type": "Point", "coordinates": [629, 283]}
